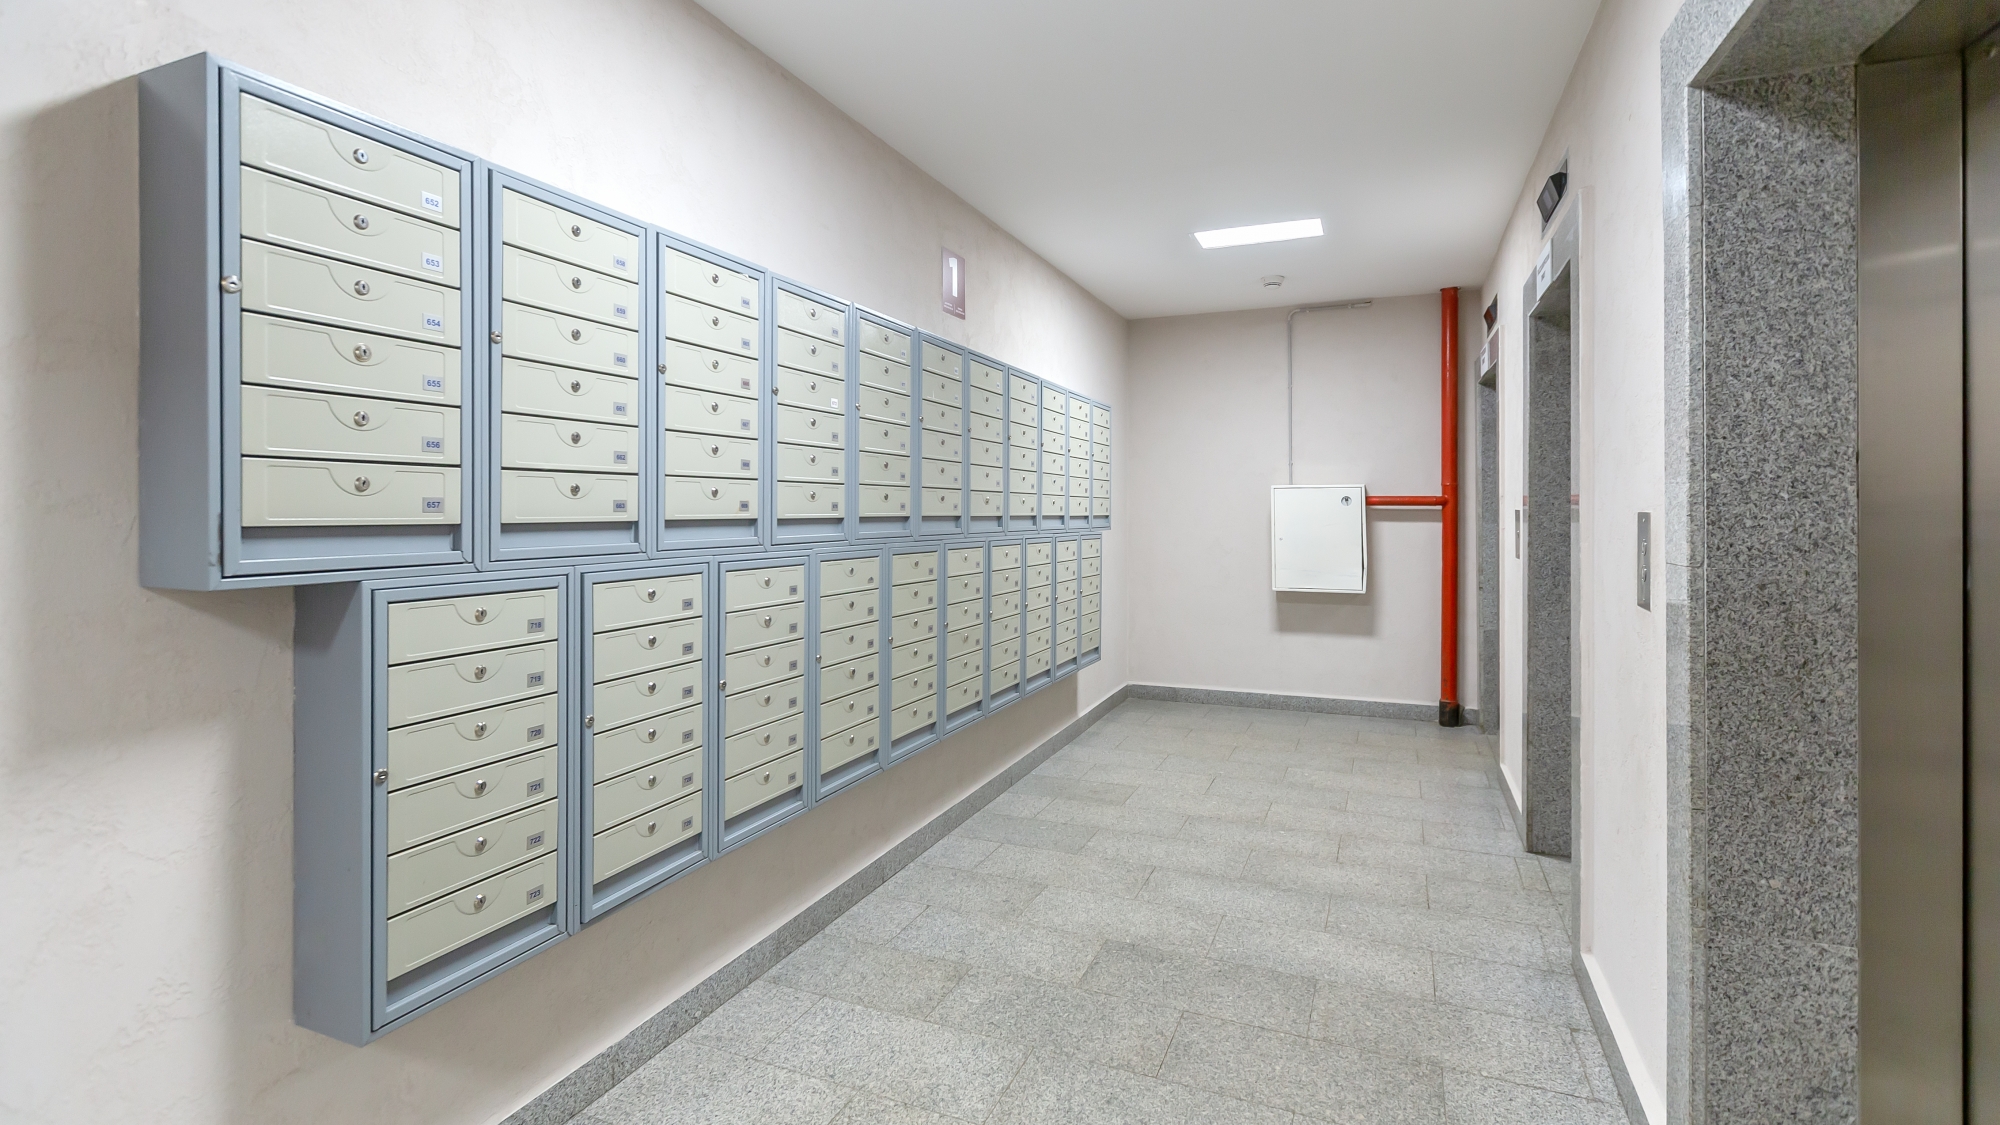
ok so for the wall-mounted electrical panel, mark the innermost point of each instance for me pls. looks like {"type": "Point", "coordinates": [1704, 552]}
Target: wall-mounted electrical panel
{"type": "Point", "coordinates": [1319, 539]}
{"type": "Point", "coordinates": [613, 550]}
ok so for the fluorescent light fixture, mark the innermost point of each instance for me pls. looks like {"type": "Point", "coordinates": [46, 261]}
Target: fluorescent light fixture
{"type": "Point", "coordinates": [1263, 232]}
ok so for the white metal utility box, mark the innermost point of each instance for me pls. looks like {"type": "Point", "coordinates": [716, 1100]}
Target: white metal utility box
{"type": "Point", "coordinates": [1319, 538]}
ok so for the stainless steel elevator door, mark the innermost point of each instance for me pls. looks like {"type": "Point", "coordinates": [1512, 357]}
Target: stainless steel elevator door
{"type": "Point", "coordinates": [1982, 612]}
{"type": "Point", "coordinates": [1910, 570]}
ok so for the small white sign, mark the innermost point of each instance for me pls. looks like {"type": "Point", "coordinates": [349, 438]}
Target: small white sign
{"type": "Point", "coordinates": [1544, 267]}
{"type": "Point", "coordinates": [434, 263]}
{"type": "Point", "coordinates": [433, 202]}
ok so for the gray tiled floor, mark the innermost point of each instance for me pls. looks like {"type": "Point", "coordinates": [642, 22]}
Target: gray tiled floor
{"type": "Point", "coordinates": [1192, 914]}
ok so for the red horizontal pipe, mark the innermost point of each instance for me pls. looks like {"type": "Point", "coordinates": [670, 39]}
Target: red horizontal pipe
{"type": "Point", "coordinates": [1406, 501]}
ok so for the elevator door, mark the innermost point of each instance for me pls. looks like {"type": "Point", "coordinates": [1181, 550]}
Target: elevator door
{"type": "Point", "coordinates": [1928, 535]}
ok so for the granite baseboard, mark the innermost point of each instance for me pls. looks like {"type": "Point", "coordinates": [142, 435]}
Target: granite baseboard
{"type": "Point", "coordinates": [1613, 1057]}
{"type": "Point", "coordinates": [1324, 705]}
{"type": "Point", "coordinates": [576, 1091]}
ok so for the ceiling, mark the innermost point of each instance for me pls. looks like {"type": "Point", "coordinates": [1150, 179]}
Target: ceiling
{"type": "Point", "coordinates": [1104, 133]}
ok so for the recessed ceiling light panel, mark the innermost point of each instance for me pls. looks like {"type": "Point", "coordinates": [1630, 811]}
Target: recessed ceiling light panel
{"type": "Point", "coordinates": [1263, 232]}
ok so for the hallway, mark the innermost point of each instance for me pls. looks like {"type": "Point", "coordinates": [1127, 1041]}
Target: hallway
{"type": "Point", "coordinates": [1191, 914]}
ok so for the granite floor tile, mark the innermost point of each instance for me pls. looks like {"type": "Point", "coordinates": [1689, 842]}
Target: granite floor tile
{"type": "Point", "coordinates": [1052, 1090]}
{"type": "Point", "coordinates": [1339, 822]}
{"type": "Point", "coordinates": [1232, 834]}
{"type": "Point", "coordinates": [961, 852]}
{"type": "Point", "coordinates": [1029, 831]}
{"type": "Point", "coordinates": [1278, 792]}
{"type": "Point", "coordinates": [1082, 788]}
{"type": "Point", "coordinates": [1110, 1030]}
{"type": "Point", "coordinates": [1199, 804]}
{"type": "Point", "coordinates": [882, 977]}
{"type": "Point", "coordinates": [1485, 900]}
{"type": "Point", "coordinates": [1474, 1100]}
{"type": "Point", "coordinates": [1483, 1043]}
{"type": "Point", "coordinates": [1470, 866]}
{"type": "Point", "coordinates": [1493, 841]}
{"type": "Point", "coordinates": [1218, 765]}
{"type": "Point", "coordinates": [1377, 966]}
{"type": "Point", "coordinates": [874, 1109]}
{"type": "Point", "coordinates": [1119, 919]}
{"type": "Point", "coordinates": [1017, 802]}
{"type": "Point", "coordinates": [1060, 767]}
{"type": "Point", "coordinates": [1511, 990]}
{"type": "Point", "coordinates": [1483, 938]}
{"type": "Point", "coordinates": [1603, 1086]}
{"type": "Point", "coordinates": [1157, 851]}
{"type": "Point", "coordinates": [1063, 869]}
{"type": "Point", "coordinates": [1125, 776]}
{"type": "Point", "coordinates": [1226, 990]}
{"type": "Point", "coordinates": [876, 919]}
{"type": "Point", "coordinates": [911, 1061]}
{"type": "Point", "coordinates": [1471, 778]}
{"type": "Point", "coordinates": [1353, 781]}
{"type": "Point", "coordinates": [1427, 809]}
{"type": "Point", "coordinates": [751, 1018]}
{"type": "Point", "coordinates": [1235, 898]}
{"type": "Point", "coordinates": [1189, 914]}
{"type": "Point", "coordinates": [973, 941]}
{"type": "Point", "coordinates": [688, 1084]}
{"type": "Point", "coordinates": [1121, 755]}
{"type": "Point", "coordinates": [1152, 822]}
{"type": "Point", "coordinates": [1337, 880]}
{"type": "Point", "coordinates": [1324, 1081]}
{"type": "Point", "coordinates": [966, 892]}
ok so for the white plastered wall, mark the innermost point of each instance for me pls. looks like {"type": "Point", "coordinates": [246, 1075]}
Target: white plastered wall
{"type": "Point", "coordinates": [145, 967]}
{"type": "Point", "coordinates": [1208, 426]}
{"type": "Point", "coordinates": [1608, 123]}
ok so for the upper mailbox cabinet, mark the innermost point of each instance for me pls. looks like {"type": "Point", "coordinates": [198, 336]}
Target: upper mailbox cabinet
{"type": "Point", "coordinates": [305, 411]}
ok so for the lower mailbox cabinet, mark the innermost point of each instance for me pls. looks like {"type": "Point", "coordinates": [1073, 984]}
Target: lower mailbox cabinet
{"type": "Point", "coordinates": [646, 668]}
{"type": "Point", "coordinates": [430, 792]}
{"type": "Point", "coordinates": [483, 765]}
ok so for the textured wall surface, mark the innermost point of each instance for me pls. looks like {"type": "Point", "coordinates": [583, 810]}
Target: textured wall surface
{"type": "Point", "coordinates": [145, 970]}
{"type": "Point", "coordinates": [1207, 433]}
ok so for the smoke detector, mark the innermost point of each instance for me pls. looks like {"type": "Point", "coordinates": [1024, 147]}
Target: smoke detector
{"type": "Point", "coordinates": [1274, 280]}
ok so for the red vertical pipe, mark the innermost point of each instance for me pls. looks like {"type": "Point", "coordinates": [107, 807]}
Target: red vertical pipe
{"type": "Point", "coordinates": [1449, 711]}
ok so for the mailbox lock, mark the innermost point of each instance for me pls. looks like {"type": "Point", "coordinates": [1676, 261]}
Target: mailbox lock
{"type": "Point", "coordinates": [576, 437]}
{"type": "Point", "coordinates": [589, 721]}
{"type": "Point", "coordinates": [478, 844]}
{"type": "Point", "coordinates": [576, 490]}
{"type": "Point", "coordinates": [495, 337]}
{"type": "Point", "coordinates": [232, 284]}
{"type": "Point", "coordinates": [575, 334]}
{"type": "Point", "coordinates": [361, 417]}
{"type": "Point", "coordinates": [361, 156]}
{"type": "Point", "coordinates": [381, 777]}
{"type": "Point", "coordinates": [576, 386]}
{"type": "Point", "coordinates": [715, 279]}
{"type": "Point", "coordinates": [479, 730]}
{"type": "Point", "coordinates": [479, 614]}
{"type": "Point", "coordinates": [363, 352]}
{"type": "Point", "coordinates": [360, 484]}
{"type": "Point", "coordinates": [361, 289]}
{"type": "Point", "coordinates": [360, 222]}
{"type": "Point", "coordinates": [575, 231]}
{"type": "Point", "coordinates": [479, 671]}
{"type": "Point", "coordinates": [663, 369]}
{"type": "Point", "coordinates": [478, 903]}
{"type": "Point", "coordinates": [651, 594]}
{"type": "Point", "coordinates": [576, 283]}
